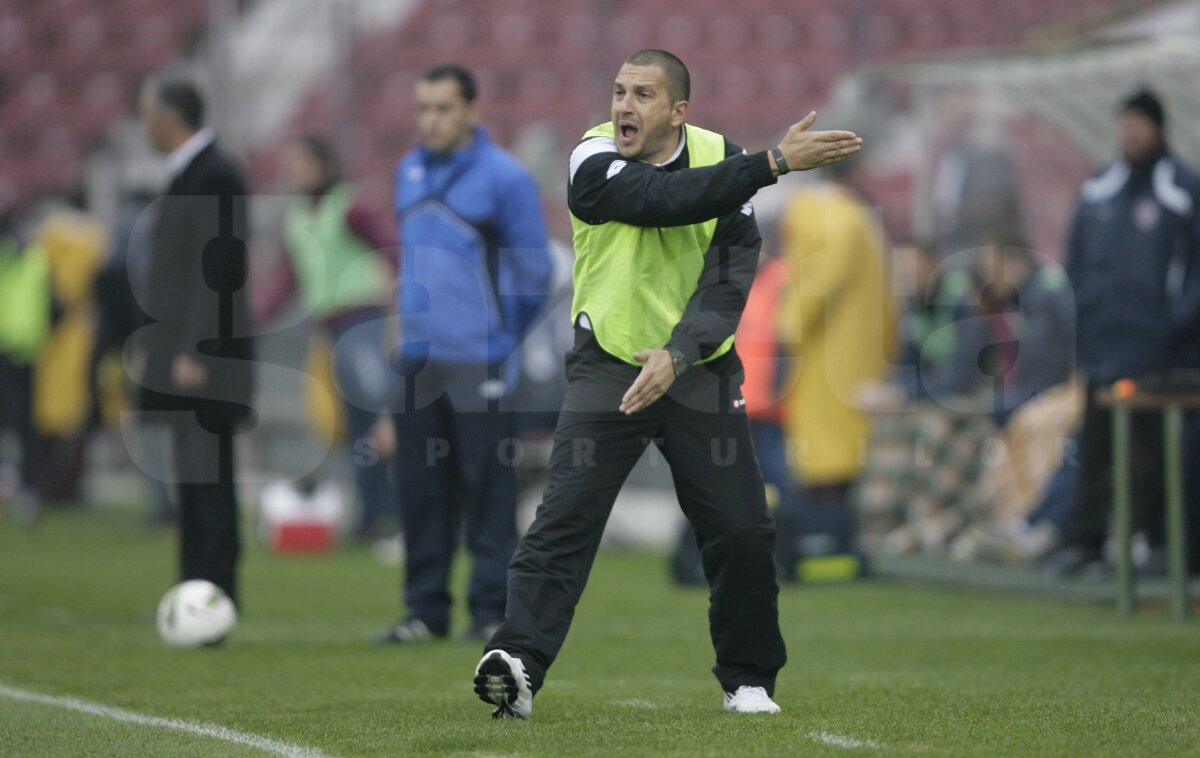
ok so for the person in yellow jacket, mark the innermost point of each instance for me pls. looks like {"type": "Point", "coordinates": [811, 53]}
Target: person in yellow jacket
{"type": "Point", "coordinates": [73, 245]}
{"type": "Point", "coordinates": [836, 321]}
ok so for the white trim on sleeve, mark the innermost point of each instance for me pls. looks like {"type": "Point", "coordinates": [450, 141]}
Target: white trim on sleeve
{"type": "Point", "coordinates": [588, 148]}
{"type": "Point", "coordinates": [1168, 192]}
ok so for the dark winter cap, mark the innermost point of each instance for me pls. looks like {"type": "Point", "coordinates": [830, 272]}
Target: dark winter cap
{"type": "Point", "coordinates": [1146, 103]}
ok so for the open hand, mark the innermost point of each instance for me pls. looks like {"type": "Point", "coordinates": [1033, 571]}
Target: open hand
{"type": "Point", "coordinates": [656, 377]}
{"type": "Point", "coordinates": [383, 437]}
{"type": "Point", "coordinates": [804, 150]}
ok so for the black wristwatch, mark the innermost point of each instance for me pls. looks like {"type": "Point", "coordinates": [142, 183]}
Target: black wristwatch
{"type": "Point", "coordinates": [779, 161]}
{"type": "Point", "coordinates": [678, 361]}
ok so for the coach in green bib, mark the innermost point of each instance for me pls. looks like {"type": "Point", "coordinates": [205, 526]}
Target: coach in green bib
{"type": "Point", "coordinates": [635, 282]}
{"type": "Point", "coordinates": [343, 258]}
{"type": "Point", "coordinates": [666, 247]}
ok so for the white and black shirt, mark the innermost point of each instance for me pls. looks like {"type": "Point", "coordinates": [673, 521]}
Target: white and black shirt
{"type": "Point", "coordinates": [603, 187]}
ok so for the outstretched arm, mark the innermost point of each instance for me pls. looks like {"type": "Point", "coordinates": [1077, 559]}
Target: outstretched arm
{"type": "Point", "coordinates": [607, 187]}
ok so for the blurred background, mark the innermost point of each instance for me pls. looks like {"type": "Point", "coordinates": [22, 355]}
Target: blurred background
{"type": "Point", "coordinates": [1036, 80]}
{"type": "Point", "coordinates": [982, 118]}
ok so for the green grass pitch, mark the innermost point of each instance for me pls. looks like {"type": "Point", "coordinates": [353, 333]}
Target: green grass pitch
{"type": "Point", "coordinates": [876, 668]}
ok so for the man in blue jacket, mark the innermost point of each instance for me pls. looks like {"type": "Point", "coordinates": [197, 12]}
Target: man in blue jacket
{"type": "Point", "coordinates": [1133, 258]}
{"type": "Point", "coordinates": [474, 272]}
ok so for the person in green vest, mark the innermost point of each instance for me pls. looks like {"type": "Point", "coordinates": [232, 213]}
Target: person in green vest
{"type": "Point", "coordinates": [343, 263]}
{"type": "Point", "coordinates": [666, 247]}
{"type": "Point", "coordinates": [25, 316]}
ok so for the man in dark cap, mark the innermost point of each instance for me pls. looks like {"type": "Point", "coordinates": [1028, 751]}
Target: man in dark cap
{"type": "Point", "coordinates": [1133, 257]}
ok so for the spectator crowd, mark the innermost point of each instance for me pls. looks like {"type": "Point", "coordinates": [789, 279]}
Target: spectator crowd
{"type": "Point", "coordinates": [935, 396]}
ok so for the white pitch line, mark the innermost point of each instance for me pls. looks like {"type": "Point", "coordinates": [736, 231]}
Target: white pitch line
{"type": "Point", "coordinates": [179, 725]}
{"type": "Point", "coordinates": [837, 740]}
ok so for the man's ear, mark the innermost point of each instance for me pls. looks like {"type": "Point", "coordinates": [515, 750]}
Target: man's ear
{"type": "Point", "coordinates": [679, 113]}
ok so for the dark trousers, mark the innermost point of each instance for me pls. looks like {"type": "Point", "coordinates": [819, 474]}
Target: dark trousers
{"type": "Point", "coordinates": [372, 472]}
{"type": "Point", "coordinates": [208, 510]}
{"type": "Point", "coordinates": [456, 463]}
{"type": "Point", "coordinates": [687, 567]}
{"type": "Point", "coordinates": [707, 444]}
{"type": "Point", "coordinates": [366, 386]}
{"type": "Point", "coordinates": [16, 413]}
{"type": "Point", "coordinates": [1088, 524]}
{"type": "Point", "coordinates": [1058, 498]}
{"type": "Point", "coordinates": [770, 445]}
{"type": "Point", "coordinates": [826, 520]}
{"type": "Point", "coordinates": [1191, 465]}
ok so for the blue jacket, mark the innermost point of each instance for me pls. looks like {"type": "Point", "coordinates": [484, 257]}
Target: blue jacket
{"type": "Point", "coordinates": [1133, 258]}
{"type": "Point", "coordinates": [474, 266]}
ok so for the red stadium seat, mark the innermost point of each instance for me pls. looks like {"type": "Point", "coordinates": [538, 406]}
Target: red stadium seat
{"type": "Point", "coordinates": [15, 45]}
{"type": "Point", "coordinates": [85, 33]}
{"type": "Point", "coordinates": [755, 65]}
{"type": "Point", "coordinates": [69, 69]}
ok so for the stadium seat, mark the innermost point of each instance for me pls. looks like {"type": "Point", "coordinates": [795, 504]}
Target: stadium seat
{"type": "Point", "coordinates": [14, 39]}
{"type": "Point", "coordinates": [86, 33]}
{"type": "Point", "coordinates": [76, 62]}
{"type": "Point", "coordinates": [69, 70]}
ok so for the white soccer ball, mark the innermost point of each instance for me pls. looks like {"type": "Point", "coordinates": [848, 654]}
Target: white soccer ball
{"type": "Point", "coordinates": [195, 613]}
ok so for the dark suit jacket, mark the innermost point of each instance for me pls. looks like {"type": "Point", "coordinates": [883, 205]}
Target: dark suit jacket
{"type": "Point", "coordinates": [196, 293]}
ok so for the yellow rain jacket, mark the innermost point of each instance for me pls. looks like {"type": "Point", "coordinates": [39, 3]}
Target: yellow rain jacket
{"type": "Point", "coordinates": [837, 322]}
{"type": "Point", "coordinates": [73, 246]}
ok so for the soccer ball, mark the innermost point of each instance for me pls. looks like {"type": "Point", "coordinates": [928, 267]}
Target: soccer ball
{"type": "Point", "coordinates": [195, 613]}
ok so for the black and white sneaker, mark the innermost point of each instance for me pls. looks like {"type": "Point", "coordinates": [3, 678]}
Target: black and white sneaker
{"type": "Point", "coordinates": [500, 680]}
{"type": "Point", "coordinates": [480, 631]}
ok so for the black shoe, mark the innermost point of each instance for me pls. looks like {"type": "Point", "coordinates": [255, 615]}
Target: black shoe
{"type": "Point", "coordinates": [480, 631]}
{"type": "Point", "coordinates": [405, 632]}
{"type": "Point", "coordinates": [1071, 560]}
{"type": "Point", "coordinates": [1155, 564]}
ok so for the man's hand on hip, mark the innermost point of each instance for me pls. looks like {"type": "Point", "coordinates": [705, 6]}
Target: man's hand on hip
{"type": "Point", "coordinates": [804, 150]}
{"type": "Point", "coordinates": [188, 373]}
{"type": "Point", "coordinates": [655, 378]}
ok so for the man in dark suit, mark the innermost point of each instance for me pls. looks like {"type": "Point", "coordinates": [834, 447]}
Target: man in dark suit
{"type": "Point", "coordinates": [197, 375]}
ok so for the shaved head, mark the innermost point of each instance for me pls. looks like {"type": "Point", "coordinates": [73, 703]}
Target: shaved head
{"type": "Point", "coordinates": [679, 81]}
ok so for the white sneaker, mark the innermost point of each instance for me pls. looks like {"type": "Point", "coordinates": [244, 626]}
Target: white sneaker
{"type": "Point", "coordinates": [500, 680]}
{"type": "Point", "coordinates": [750, 700]}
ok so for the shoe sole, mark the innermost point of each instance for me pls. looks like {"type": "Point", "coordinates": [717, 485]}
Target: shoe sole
{"type": "Point", "coordinates": [496, 684]}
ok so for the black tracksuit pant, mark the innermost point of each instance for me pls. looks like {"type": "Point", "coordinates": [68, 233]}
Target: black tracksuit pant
{"type": "Point", "coordinates": [16, 413]}
{"type": "Point", "coordinates": [208, 511]}
{"type": "Point", "coordinates": [702, 431]}
{"type": "Point", "coordinates": [456, 482]}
